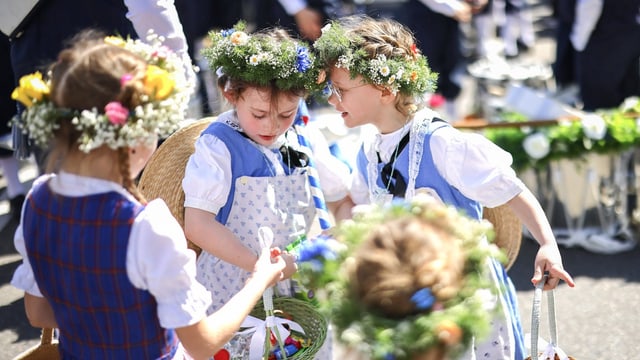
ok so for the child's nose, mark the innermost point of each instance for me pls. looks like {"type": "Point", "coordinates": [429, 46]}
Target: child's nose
{"type": "Point", "coordinates": [273, 124]}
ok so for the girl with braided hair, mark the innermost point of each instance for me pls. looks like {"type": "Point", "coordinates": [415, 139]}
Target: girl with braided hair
{"type": "Point", "coordinates": [378, 76]}
{"type": "Point", "coordinates": [107, 268]}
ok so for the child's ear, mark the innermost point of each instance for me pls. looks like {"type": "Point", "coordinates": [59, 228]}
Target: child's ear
{"type": "Point", "coordinates": [387, 96]}
{"type": "Point", "coordinates": [229, 96]}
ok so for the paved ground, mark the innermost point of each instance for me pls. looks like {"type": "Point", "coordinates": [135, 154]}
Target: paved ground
{"type": "Point", "coordinates": [596, 320]}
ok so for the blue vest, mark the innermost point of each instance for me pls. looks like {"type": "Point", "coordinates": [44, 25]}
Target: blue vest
{"type": "Point", "coordinates": [246, 160]}
{"type": "Point", "coordinates": [428, 175]}
{"type": "Point", "coordinates": [77, 247]}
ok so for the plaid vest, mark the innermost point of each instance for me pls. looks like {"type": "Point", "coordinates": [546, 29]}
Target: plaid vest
{"type": "Point", "coordinates": [77, 247]}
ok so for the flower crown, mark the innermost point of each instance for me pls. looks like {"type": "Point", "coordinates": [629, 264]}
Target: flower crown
{"type": "Point", "coordinates": [408, 75]}
{"type": "Point", "coordinates": [261, 60]}
{"type": "Point", "coordinates": [163, 103]}
{"type": "Point", "coordinates": [323, 269]}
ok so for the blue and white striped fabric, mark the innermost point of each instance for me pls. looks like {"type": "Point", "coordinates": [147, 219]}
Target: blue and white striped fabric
{"type": "Point", "coordinates": [301, 119]}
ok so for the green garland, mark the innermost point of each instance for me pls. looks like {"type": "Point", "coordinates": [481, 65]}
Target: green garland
{"type": "Point", "coordinates": [605, 131]}
{"type": "Point", "coordinates": [407, 75]}
{"type": "Point", "coordinates": [262, 60]}
{"type": "Point", "coordinates": [323, 266]}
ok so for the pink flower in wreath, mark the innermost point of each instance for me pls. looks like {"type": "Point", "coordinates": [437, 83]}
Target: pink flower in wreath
{"type": "Point", "coordinates": [116, 113]}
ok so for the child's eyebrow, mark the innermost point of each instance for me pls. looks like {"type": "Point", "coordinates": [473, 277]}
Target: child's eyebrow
{"type": "Point", "coordinates": [288, 111]}
{"type": "Point", "coordinates": [254, 109]}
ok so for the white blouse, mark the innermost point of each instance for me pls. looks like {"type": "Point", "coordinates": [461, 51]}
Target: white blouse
{"type": "Point", "coordinates": [158, 259]}
{"type": "Point", "coordinates": [468, 161]}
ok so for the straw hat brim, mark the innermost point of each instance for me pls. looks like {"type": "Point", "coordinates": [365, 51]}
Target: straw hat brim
{"type": "Point", "coordinates": [163, 174]}
{"type": "Point", "coordinates": [508, 230]}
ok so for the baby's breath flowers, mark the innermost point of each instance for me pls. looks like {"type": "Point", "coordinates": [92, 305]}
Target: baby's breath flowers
{"type": "Point", "coordinates": [261, 59]}
{"type": "Point", "coordinates": [162, 106]}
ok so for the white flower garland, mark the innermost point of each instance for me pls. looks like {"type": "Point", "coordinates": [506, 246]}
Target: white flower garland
{"type": "Point", "coordinates": [155, 116]}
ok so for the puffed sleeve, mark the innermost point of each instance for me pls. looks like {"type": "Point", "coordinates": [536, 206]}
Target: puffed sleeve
{"type": "Point", "coordinates": [359, 190]}
{"type": "Point", "coordinates": [159, 261]}
{"type": "Point", "coordinates": [23, 277]}
{"type": "Point", "coordinates": [207, 178]}
{"type": "Point", "coordinates": [475, 166]}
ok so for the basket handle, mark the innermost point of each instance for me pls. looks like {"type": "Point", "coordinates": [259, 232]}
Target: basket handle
{"type": "Point", "coordinates": [535, 316]}
{"type": "Point", "coordinates": [47, 336]}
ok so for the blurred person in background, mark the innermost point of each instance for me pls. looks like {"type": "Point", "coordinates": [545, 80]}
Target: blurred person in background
{"type": "Point", "coordinates": [436, 25]}
{"type": "Point", "coordinates": [9, 165]}
{"type": "Point", "coordinates": [606, 36]}
{"type": "Point", "coordinates": [305, 17]}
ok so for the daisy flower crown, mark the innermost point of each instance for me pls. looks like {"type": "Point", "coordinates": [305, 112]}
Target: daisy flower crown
{"type": "Point", "coordinates": [261, 60]}
{"type": "Point", "coordinates": [326, 264]}
{"type": "Point", "coordinates": [409, 75]}
{"type": "Point", "coordinates": [162, 105]}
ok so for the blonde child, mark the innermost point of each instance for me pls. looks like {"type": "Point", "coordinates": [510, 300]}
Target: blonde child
{"type": "Point", "coordinates": [109, 270]}
{"type": "Point", "coordinates": [378, 76]}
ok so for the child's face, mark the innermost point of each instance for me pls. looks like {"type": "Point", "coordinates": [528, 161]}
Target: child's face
{"type": "Point", "coordinates": [358, 101]}
{"type": "Point", "coordinates": [139, 156]}
{"type": "Point", "coordinates": [259, 120]}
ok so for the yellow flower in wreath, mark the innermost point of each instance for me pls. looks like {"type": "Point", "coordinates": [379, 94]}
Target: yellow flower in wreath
{"type": "Point", "coordinates": [116, 41]}
{"type": "Point", "coordinates": [31, 88]}
{"type": "Point", "coordinates": [158, 82]}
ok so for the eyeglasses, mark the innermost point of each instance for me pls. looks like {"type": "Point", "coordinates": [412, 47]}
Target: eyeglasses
{"type": "Point", "coordinates": [339, 92]}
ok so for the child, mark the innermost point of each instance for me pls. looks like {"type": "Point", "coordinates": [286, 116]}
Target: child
{"type": "Point", "coordinates": [112, 272]}
{"type": "Point", "coordinates": [248, 169]}
{"type": "Point", "coordinates": [378, 76]}
{"type": "Point", "coordinates": [403, 281]}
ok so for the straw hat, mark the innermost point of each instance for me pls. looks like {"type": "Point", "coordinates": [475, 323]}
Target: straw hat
{"type": "Point", "coordinates": [508, 229]}
{"type": "Point", "coordinates": [162, 177]}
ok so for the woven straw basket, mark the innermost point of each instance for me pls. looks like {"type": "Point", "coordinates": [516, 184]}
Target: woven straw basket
{"type": "Point", "coordinates": [162, 177]}
{"type": "Point", "coordinates": [303, 313]}
{"type": "Point", "coordinates": [508, 229]}
{"type": "Point", "coordinates": [47, 349]}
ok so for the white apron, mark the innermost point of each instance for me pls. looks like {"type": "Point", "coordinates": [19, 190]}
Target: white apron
{"type": "Point", "coordinates": [283, 203]}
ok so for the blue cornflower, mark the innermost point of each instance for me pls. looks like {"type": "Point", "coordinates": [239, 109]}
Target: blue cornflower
{"type": "Point", "coordinates": [423, 299]}
{"type": "Point", "coordinates": [316, 249]}
{"type": "Point", "coordinates": [303, 61]}
{"type": "Point", "coordinates": [227, 32]}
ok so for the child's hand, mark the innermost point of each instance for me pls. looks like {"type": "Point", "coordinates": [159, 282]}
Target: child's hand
{"type": "Point", "coordinates": [548, 259]}
{"type": "Point", "coordinates": [270, 266]}
{"type": "Point", "coordinates": [291, 266]}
